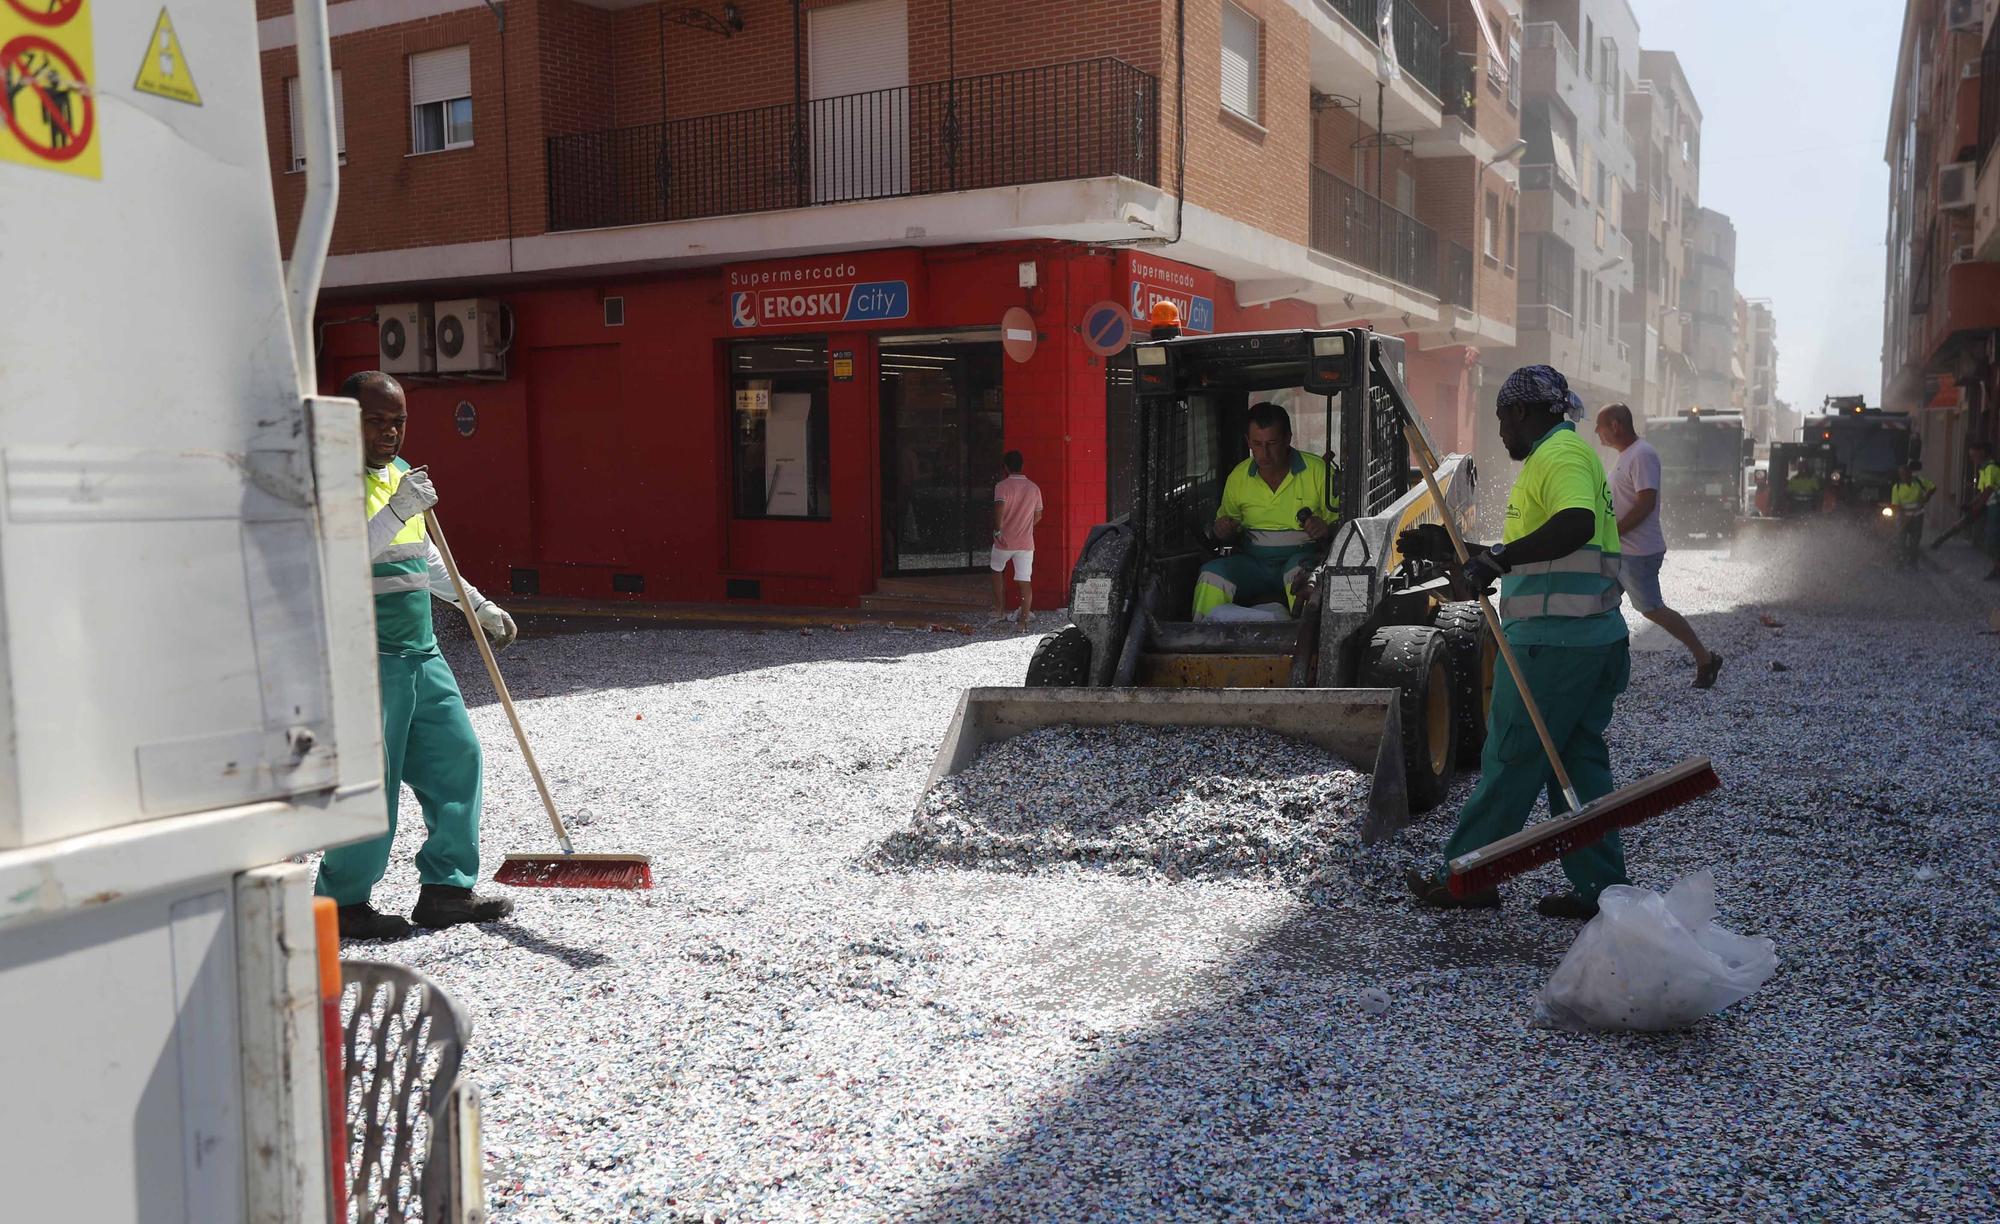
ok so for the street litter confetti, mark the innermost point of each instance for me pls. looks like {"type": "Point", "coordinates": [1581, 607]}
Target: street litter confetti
{"type": "Point", "coordinates": [1179, 802]}
{"type": "Point", "coordinates": [782, 1031]}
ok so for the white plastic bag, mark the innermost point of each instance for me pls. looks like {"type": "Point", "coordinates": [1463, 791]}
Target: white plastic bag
{"type": "Point", "coordinates": [1648, 963]}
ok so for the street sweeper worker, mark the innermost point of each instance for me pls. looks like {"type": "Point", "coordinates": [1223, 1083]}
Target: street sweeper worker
{"type": "Point", "coordinates": [1275, 505]}
{"type": "Point", "coordinates": [1558, 566]}
{"type": "Point", "coordinates": [427, 738]}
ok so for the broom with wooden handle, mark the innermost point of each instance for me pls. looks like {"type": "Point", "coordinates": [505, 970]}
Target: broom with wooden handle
{"type": "Point", "coordinates": [1585, 824]}
{"type": "Point", "coordinates": [568, 869]}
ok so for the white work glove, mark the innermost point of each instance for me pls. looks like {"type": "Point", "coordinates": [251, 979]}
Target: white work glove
{"type": "Point", "coordinates": [413, 496]}
{"type": "Point", "coordinates": [498, 625]}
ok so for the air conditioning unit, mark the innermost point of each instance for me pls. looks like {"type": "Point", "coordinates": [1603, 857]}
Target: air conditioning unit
{"type": "Point", "coordinates": [1964, 254]}
{"type": "Point", "coordinates": [469, 336]}
{"type": "Point", "coordinates": [403, 338]}
{"type": "Point", "coordinates": [1963, 16]}
{"type": "Point", "coordinates": [1958, 184]}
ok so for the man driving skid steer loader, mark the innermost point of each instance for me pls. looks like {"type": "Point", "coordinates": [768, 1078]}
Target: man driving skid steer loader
{"type": "Point", "coordinates": [1281, 502]}
{"type": "Point", "coordinates": [1381, 660]}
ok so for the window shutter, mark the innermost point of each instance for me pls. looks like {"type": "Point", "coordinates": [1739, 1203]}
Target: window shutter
{"type": "Point", "coordinates": [298, 119]}
{"type": "Point", "coordinates": [1239, 61]}
{"type": "Point", "coordinates": [439, 76]}
{"type": "Point", "coordinates": [858, 48]}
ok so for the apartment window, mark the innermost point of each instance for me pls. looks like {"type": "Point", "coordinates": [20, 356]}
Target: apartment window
{"type": "Point", "coordinates": [441, 100]}
{"type": "Point", "coordinates": [1589, 42]}
{"type": "Point", "coordinates": [1492, 226]}
{"type": "Point", "coordinates": [1510, 236]}
{"type": "Point", "coordinates": [1240, 68]}
{"type": "Point", "coordinates": [1406, 193]}
{"type": "Point", "coordinates": [298, 120]}
{"type": "Point", "coordinates": [1600, 231]}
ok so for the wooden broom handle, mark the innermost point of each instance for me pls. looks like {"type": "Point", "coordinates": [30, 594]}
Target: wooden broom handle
{"type": "Point", "coordinates": [499, 685]}
{"type": "Point", "coordinates": [1427, 464]}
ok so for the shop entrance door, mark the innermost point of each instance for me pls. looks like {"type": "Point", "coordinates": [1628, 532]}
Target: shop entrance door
{"type": "Point", "coordinates": [942, 442]}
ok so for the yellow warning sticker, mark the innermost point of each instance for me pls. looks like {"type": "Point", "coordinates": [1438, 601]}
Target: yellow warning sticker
{"type": "Point", "coordinates": [48, 118]}
{"type": "Point", "coordinates": [164, 71]}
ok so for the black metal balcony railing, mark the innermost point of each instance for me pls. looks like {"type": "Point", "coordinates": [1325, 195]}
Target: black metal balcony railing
{"type": "Point", "coordinates": [1085, 119]}
{"type": "Point", "coordinates": [1420, 47]}
{"type": "Point", "coordinates": [1351, 224]}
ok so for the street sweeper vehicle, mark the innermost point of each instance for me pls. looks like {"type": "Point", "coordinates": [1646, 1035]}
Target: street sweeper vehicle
{"type": "Point", "coordinates": [187, 661]}
{"type": "Point", "coordinates": [1377, 657]}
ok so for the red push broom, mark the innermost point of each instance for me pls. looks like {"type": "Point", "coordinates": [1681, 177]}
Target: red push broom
{"type": "Point", "coordinates": [1584, 824]}
{"type": "Point", "coordinates": [568, 869]}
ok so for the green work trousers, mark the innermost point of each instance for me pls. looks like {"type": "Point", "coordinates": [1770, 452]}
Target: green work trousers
{"type": "Point", "coordinates": [1575, 686]}
{"type": "Point", "coordinates": [1250, 576]}
{"type": "Point", "coordinates": [427, 741]}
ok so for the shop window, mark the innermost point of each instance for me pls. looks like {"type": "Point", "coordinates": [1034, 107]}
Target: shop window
{"type": "Point", "coordinates": [1241, 34]}
{"type": "Point", "coordinates": [1121, 434]}
{"type": "Point", "coordinates": [778, 435]}
{"type": "Point", "coordinates": [441, 100]}
{"type": "Point", "coordinates": [298, 121]}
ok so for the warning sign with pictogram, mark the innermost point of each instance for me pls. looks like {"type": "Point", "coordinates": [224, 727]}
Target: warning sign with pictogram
{"type": "Point", "coordinates": [164, 71]}
{"type": "Point", "coordinates": [48, 114]}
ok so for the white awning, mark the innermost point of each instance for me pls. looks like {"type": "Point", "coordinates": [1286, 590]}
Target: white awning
{"type": "Point", "coordinates": [1565, 160]}
{"type": "Point", "coordinates": [1496, 55]}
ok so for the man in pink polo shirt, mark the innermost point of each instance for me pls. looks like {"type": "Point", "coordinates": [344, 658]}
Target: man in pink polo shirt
{"type": "Point", "coordinates": [1017, 507]}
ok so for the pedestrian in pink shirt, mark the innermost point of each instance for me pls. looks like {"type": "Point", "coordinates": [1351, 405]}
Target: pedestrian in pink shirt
{"type": "Point", "coordinates": [1017, 507]}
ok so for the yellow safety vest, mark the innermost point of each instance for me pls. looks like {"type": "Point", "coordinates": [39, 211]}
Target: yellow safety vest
{"type": "Point", "coordinates": [401, 574]}
{"type": "Point", "coordinates": [1556, 597]}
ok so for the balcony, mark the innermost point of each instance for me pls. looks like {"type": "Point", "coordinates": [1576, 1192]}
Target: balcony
{"type": "Point", "coordinates": [1088, 119]}
{"type": "Point", "coordinates": [1351, 224]}
{"type": "Point", "coordinates": [1420, 49]}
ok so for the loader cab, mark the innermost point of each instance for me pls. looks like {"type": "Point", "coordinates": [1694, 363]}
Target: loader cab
{"type": "Point", "coordinates": [1193, 397]}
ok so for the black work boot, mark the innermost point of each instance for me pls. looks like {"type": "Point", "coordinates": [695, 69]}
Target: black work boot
{"type": "Point", "coordinates": [1566, 905]}
{"type": "Point", "coordinates": [1435, 893]}
{"type": "Point", "coordinates": [443, 905]}
{"type": "Point", "coordinates": [364, 921]}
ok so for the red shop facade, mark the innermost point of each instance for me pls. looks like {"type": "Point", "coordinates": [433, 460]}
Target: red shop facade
{"type": "Point", "coordinates": [791, 431]}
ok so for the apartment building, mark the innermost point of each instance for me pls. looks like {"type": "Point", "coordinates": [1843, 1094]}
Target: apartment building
{"type": "Point", "coordinates": [1763, 415]}
{"type": "Point", "coordinates": [1941, 317]}
{"type": "Point", "coordinates": [1711, 289]}
{"type": "Point", "coordinates": [745, 300]}
{"type": "Point", "coordinates": [1580, 61]}
{"type": "Point", "coordinates": [1664, 125]}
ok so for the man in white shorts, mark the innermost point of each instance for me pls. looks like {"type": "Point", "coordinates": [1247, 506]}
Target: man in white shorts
{"type": "Point", "coordinates": [1017, 507]}
{"type": "Point", "coordinates": [1635, 496]}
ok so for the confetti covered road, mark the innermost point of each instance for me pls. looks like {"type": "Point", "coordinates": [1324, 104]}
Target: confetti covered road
{"type": "Point", "coordinates": [786, 1030]}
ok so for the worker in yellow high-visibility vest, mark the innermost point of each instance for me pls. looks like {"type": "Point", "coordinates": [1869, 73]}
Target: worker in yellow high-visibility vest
{"type": "Point", "coordinates": [427, 738]}
{"type": "Point", "coordinates": [1558, 566]}
{"type": "Point", "coordinates": [1986, 501]}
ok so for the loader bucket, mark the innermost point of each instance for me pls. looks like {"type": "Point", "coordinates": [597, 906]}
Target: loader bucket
{"type": "Point", "coordinates": [1361, 726]}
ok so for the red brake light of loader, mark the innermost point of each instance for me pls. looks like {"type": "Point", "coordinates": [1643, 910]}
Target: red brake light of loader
{"type": "Point", "coordinates": [326, 932]}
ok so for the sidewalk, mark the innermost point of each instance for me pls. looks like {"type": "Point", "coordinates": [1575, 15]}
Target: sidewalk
{"type": "Point", "coordinates": [549, 615]}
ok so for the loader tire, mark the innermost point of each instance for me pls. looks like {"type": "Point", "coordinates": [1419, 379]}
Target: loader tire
{"type": "Point", "coordinates": [1061, 660]}
{"type": "Point", "coordinates": [1412, 660]}
{"type": "Point", "coordinates": [1473, 655]}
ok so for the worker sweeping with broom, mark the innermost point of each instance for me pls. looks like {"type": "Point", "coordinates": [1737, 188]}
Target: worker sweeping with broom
{"type": "Point", "coordinates": [427, 737]}
{"type": "Point", "coordinates": [1559, 596]}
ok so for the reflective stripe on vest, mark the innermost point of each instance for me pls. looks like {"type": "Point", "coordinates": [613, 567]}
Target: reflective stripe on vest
{"type": "Point", "coordinates": [1585, 583]}
{"type": "Point", "coordinates": [390, 584]}
{"type": "Point", "coordinates": [1278, 539]}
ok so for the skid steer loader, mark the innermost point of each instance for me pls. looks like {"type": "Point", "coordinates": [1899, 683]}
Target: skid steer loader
{"type": "Point", "coordinates": [1382, 660]}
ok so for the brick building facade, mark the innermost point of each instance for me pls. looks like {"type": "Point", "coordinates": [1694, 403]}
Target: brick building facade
{"type": "Point", "coordinates": [636, 190]}
{"type": "Point", "coordinates": [1941, 317]}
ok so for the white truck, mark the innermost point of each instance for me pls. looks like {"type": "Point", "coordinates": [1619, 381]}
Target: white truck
{"type": "Point", "coordinates": [187, 681]}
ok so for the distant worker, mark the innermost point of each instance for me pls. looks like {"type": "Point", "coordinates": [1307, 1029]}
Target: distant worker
{"type": "Point", "coordinates": [1986, 502]}
{"type": "Point", "coordinates": [1635, 494]}
{"type": "Point", "coordinates": [1017, 508]}
{"type": "Point", "coordinates": [1278, 502]}
{"type": "Point", "coordinates": [427, 738]}
{"type": "Point", "coordinates": [1909, 495]}
{"type": "Point", "coordinates": [1558, 568]}
{"type": "Point", "coordinates": [1804, 484]}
